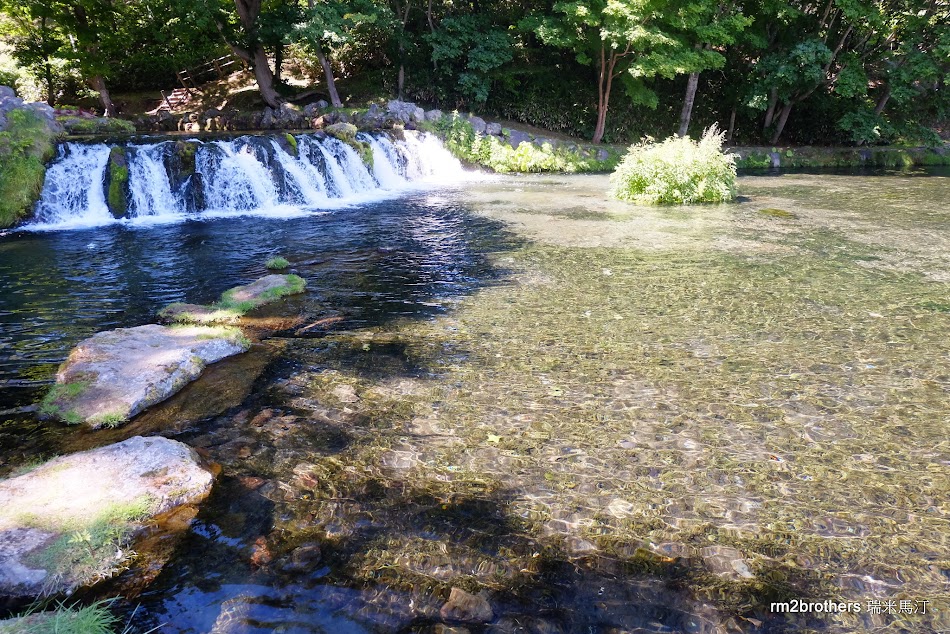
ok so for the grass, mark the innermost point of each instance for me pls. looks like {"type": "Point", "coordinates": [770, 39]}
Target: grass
{"type": "Point", "coordinates": [276, 263]}
{"type": "Point", "coordinates": [67, 619]}
{"type": "Point", "coordinates": [491, 152]}
{"type": "Point", "coordinates": [62, 392]}
{"type": "Point", "coordinates": [91, 551]}
{"type": "Point", "coordinates": [25, 145]}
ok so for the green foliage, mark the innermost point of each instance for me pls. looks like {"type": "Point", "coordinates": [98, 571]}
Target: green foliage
{"type": "Point", "coordinates": [491, 152]}
{"type": "Point", "coordinates": [277, 263]}
{"type": "Point", "coordinates": [677, 171]}
{"type": "Point", "coordinates": [24, 146]}
{"type": "Point", "coordinates": [67, 619]}
{"type": "Point", "coordinates": [93, 551]}
{"type": "Point", "coordinates": [96, 125]}
{"type": "Point", "coordinates": [466, 51]}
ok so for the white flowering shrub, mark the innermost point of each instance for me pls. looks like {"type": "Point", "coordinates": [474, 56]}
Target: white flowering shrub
{"type": "Point", "coordinates": [677, 171]}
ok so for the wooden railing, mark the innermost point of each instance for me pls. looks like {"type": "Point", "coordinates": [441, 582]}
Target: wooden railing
{"type": "Point", "coordinates": [221, 67]}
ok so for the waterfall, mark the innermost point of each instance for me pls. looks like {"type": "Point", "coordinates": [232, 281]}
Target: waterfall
{"type": "Point", "coordinates": [155, 197]}
{"type": "Point", "coordinates": [271, 175]}
{"type": "Point", "coordinates": [73, 195]}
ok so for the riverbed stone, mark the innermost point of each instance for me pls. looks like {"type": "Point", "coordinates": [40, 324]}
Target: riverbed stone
{"type": "Point", "coordinates": [264, 290]}
{"type": "Point", "coordinates": [69, 522]}
{"type": "Point", "coordinates": [466, 607]}
{"type": "Point", "coordinates": [112, 376]}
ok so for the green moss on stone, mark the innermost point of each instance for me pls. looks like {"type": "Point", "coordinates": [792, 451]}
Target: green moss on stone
{"type": "Point", "coordinates": [118, 199]}
{"type": "Point", "coordinates": [186, 150]}
{"type": "Point", "coordinates": [292, 142]}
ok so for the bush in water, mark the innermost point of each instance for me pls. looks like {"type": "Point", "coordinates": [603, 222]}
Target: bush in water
{"type": "Point", "coordinates": [677, 171]}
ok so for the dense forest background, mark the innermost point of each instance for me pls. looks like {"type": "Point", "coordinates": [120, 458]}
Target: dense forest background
{"type": "Point", "coordinates": [768, 71]}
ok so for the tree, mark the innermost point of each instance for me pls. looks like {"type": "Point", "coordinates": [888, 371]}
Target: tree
{"type": "Point", "coordinates": [704, 28]}
{"type": "Point", "coordinates": [90, 27]}
{"type": "Point", "coordinates": [466, 50]}
{"type": "Point", "coordinates": [616, 36]}
{"type": "Point", "coordinates": [331, 23]}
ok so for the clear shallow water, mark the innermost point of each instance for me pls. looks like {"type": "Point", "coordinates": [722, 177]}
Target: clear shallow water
{"type": "Point", "coordinates": [605, 417]}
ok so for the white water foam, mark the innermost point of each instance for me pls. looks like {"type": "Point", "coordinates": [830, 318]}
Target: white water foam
{"type": "Point", "coordinates": [249, 175]}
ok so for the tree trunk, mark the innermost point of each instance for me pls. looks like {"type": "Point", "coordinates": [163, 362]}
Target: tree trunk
{"type": "Point", "coordinates": [278, 61]}
{"type": "Point", "coordinates": [99, 84]}
{"type": "Point", "coordinates": [687, 112]}
{"type": "Point", "coordinates": [882, 101]}
{"type": "Point", "coordinates": [401, 81]}
{"type": "Point", "coordinates": [732, 125]}
{"type": "Point", "coordinates": [265, 78]}
{"type": "Point", "coordinates": [331, 83]}
{"type": "Point", "coordinates": [50, 86]}
{"type": "Point", "coordinates": [770, 113]}
{"type": "Point", "coordinates": [786, 110]}
{"type": "Point", "coordinates": [601, 102]}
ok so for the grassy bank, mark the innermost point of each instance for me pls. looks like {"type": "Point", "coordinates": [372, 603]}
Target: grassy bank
{"type": "Point", "coordinates": [25, 145]}
{"type": "Point", "coordinates": [498, 155]}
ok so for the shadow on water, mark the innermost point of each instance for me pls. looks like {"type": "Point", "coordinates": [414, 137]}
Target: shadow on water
{"type": "Point", "coordinates": [368, 264]}
{"type": "Point", "coordinates": [315, 526]}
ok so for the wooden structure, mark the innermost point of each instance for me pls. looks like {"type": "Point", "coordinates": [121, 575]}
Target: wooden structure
{"type": "Point", "coordinates": [220, 68]}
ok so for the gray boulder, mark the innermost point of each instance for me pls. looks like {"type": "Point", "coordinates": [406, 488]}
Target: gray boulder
{"type": "Point", "coordinates": [517, 137]}
{"type": "Point", "coordinates": [405, 111]}
{"type": "Point", "coordinates": [433, 115]}
{"type": "Point", "coordinates": [478, 124]}
{"type": "Point", "coordinates": [6, 92]}
{"type": "Point", "coordinates": [112, 376]}
{"type": "Point", "coordinates": [69, 523]}
{"type": "Point", "coordinates": [494, 129]}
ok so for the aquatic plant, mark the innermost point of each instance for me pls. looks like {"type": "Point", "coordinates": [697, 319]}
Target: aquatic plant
{"type": "Point", "coordinates": [276, 263]}
{"type": "Point", "coordinates": [677, 171]}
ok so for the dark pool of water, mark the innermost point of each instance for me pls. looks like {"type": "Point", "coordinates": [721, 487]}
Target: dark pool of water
{"type": "Point", "coordinates": [374, 262]}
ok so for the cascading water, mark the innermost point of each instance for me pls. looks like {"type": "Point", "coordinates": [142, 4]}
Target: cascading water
{"type": "Point", "coordinates": [73, 192]}
{"type": "Point", "coordinates": [155, 197]}
{"type": "Point", "coordinates": [261, 175]}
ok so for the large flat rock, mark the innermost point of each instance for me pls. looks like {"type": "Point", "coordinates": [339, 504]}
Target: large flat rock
{"type": "Point", "coordinates": [114, 375]}
{"type": "Point", "coordinates": [69, 522]}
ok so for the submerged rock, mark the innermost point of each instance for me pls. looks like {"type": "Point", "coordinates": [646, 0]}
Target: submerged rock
{"type": "Point", "coordinates": [263, 291]}
{"type": "Point", "coordinates": [467, 607]}
{"type": "Point", "coordinates": [69, 522]}
{"type": "Point", "coordinates": [235, 302]}
{"type": "Point", "coordinates": [112, 376]}
{"type": "Point", "coordinates": [117, 175]}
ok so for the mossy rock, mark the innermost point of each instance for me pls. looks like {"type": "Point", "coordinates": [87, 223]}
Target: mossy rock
{"type": "Point", "coordinates": [117, 175]}
{"type": "Point", "coordinates": [291, 143]}
{"type": "Point", "coordinates": [345, 132]}
{"type": "Point", "coordinates": [365, 150]}
{"type": "Point", "coordinates": [185, 151]}
{"type": "Point", "coordinates": [25, 145]}
{"type": "Point", "coordinates": [96, 125]}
